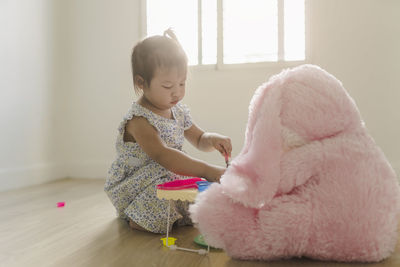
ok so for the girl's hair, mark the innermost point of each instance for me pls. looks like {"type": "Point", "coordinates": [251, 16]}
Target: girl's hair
{"type": "Point", "coordinates": [157, 52]}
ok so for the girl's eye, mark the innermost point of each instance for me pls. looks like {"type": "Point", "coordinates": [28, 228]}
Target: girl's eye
{"type": "Point", "coordinates": [167, 87]}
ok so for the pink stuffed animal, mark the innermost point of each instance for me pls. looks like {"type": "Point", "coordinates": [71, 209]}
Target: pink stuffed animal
{"type": "Point", "coordinates": [309, 181]}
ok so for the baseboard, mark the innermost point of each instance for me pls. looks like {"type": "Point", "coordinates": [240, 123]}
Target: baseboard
{"type": "Point", "coordinates": [88, 169]}
{"type": "Point", "coordinates": [13, 178]}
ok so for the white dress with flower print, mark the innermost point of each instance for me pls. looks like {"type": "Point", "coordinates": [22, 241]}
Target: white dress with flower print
{"type": "Point", "coordinates": [133, 176]}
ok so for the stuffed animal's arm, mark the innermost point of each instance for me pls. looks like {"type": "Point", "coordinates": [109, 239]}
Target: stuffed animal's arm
{"type": "Point", "coordinates": [299, 164]}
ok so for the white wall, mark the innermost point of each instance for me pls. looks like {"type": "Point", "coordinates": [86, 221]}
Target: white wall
{"type": "Point", "coordinates": [219, 102]}
{"type": "Point", "coordinates": [60, 109]}
{"type": "Point", "coordinates": [26, 93]}
{"type": "Point", "coordinates": [95, 42]}
{"type": "Point", "coordinates": [359, 42]}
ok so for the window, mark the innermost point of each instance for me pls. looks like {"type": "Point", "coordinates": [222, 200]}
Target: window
{"type": "Point", "coordinates": [232, 31]}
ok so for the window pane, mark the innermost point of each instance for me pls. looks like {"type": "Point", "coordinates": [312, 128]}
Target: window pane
{"type": "Point", "coordinates": [209, 34]}
{"type": "Point", "coordinates": [181, 16]}
{"type": "Point", "coordinates": [250, 31]}
{"type": "Point", "coordinates": [294, 30]}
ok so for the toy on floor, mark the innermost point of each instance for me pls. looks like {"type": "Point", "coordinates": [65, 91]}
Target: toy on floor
{"type": "Point", "coordinates": [310, 181]}
{"type": "Point", "coordinates": [185, 190]}
{"type": "Point", "coordinates": [168, 241]}
{"type": "Point", "coordinates": [199, 240]}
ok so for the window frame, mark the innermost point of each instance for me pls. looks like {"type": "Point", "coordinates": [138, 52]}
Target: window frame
{"type": "Point", "coordinates": [280, 63]}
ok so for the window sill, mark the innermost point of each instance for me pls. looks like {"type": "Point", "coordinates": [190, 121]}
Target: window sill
{"type": "Point", "coordinates": [244, 66]}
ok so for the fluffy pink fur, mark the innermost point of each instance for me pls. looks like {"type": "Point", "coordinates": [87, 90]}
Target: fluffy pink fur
{"type": "Point", "coordinates": [335, 197]}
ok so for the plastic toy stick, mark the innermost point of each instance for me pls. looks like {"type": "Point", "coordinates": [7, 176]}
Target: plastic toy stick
{"type": "Point", "coordinates": [227, 160]}
{"type": "Point", "coordinates": [169, 209]}
{"type": "Point", "coordinates": [200, 251]}
{"type": "Point", "coordinates": [175, 247]}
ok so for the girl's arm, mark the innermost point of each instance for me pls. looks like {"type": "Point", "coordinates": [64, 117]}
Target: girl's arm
{"type": "Point", "coordinates": [205, 141]}
{"type": "Point", "coordinates": [172, 159]}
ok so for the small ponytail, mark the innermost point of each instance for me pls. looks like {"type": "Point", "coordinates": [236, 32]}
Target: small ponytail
{"type": "Point", "coordinates": [171, 34]}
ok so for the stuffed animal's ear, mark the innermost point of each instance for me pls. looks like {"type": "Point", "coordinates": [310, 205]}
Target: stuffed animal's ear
{"type": "Point", "coordinates": [254, 175]}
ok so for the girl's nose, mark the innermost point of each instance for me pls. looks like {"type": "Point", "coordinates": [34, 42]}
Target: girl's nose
{"type": "Point", "coordinates": [176, 92]}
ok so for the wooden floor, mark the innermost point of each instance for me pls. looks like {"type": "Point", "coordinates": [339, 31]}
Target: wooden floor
{"type": "Point", "coordinates": [86, 232]}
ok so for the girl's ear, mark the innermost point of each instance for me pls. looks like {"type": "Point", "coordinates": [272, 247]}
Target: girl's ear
{"type": "Point", "coordinates": [139, 82]}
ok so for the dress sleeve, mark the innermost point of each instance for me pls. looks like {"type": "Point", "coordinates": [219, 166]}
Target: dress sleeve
{"type": "Point", "coordinates": [187, 118]}
{"type": "Point", "coordinates": [138, 111]}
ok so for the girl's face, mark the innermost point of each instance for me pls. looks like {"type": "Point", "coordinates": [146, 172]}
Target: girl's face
{"type": "Point", "coordinates": [166, 88]}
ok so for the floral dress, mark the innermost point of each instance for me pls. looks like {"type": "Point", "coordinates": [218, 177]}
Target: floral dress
{"type": "Point", "coordinates": [133, 176]}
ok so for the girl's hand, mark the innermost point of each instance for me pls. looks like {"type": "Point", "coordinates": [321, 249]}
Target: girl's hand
{"type": "Point", "coordinates": [206, 141]}
{"type": "Point", "coordinates": [222, 144]}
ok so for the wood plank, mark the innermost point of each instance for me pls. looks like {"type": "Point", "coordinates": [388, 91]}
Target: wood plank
{"type": "Point", "coordinates": [86, 232]}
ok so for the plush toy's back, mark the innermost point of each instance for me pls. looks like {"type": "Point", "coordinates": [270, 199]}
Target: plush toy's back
{"type": "Point", "coordinates": [309, 181]}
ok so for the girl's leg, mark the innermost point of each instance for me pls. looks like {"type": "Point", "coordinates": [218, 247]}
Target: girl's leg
{"type": "Point", "coordinates": [148, 213]}
{"type": "Point", "coordinates": [182, 207]}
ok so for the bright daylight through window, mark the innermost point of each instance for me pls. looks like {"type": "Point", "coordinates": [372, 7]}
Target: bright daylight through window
{"type": "Point", "coordinates": [232, 31]}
